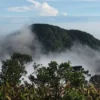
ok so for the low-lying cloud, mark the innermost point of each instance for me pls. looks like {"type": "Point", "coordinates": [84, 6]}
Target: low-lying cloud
{"type": "Point", "coordinates": [24, 41]}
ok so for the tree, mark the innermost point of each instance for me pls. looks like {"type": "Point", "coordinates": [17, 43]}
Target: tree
{"type": "Point", "coordinates": [53, 79]}
{"type": "Point", "coordinates": [12, 69]}
{"type": "Point", "coordinates": [56, 39]}
{"type": "Point", "coordinates": [95, 80]}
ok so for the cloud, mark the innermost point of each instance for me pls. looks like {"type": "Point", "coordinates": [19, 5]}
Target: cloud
{"type": "Point", "coordinates": [79, 55]}
{"type": "Point", "coordinates": [64, 13]}
{"type": "Point", "coordinates": [50, 0]}
{"type": "Point", "coordinates": [20, 9]}
{"type": "Point", "coordinates": [23, 40]}
{"type": "Point", "coordinates": [88, 0]}
{"type": "Point", "coordinates": [44, 8]}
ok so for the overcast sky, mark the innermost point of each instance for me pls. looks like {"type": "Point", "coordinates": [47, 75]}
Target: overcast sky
{"type": "Point", "coordinates": [69, 14]}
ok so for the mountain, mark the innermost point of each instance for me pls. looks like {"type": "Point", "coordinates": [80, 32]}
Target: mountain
{"type": "Point", "coordinates": [54, 38]}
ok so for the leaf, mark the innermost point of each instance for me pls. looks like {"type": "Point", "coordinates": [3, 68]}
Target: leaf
{"type": "Point", "coordinates": [23, 97]}
{"type": "Point", "coordinates": [8, 85]}
{"type": "Point", "coordinates": [8, 97]}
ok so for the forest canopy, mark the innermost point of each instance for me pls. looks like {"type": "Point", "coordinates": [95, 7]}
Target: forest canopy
{"type": "Point", "coordinates": [52, 82]}
{"type": "Point", "coordinates": [54, 38]}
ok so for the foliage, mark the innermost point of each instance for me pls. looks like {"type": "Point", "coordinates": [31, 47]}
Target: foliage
{"type": "Point", "coordinates": [95, 80]}
{"type": "Point", "coordinates": [54, 38]}
{"type": "Point", "coordinates": [52, 82]}
{"type": "Point", "coordinates": [12, 69]}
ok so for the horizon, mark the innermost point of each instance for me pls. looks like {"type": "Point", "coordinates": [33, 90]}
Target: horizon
{"type": "Point", "coordinates": [69, 14]}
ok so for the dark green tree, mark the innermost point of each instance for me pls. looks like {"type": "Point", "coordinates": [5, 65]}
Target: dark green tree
{"type": "Point", "coordinates": [12, 69]}
{"type": "Point", "coordinates": [95, 80]}
{"type": "Point", "coordinates": [56, 39]}
{"type": "Point", "coordinates": [55, 77]}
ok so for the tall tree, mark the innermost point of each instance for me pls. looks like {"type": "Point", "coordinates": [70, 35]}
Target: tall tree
{"type": "Point", "coordinates": [53, 78]}
{"type": "Point", "coordinates": [12, 69]}
{"type": "Point", "coordinates": [95, 80]}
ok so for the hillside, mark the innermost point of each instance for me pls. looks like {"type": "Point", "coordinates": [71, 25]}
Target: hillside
{"type": "Point", "coordinates": [55, 38]}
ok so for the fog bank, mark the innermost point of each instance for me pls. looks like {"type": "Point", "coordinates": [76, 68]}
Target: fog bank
{"type": "Point", "coordinates": [24, 41]}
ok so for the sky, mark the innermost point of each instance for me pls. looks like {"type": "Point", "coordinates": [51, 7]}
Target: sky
{"type": "Point", "coordinates": [69, 14]}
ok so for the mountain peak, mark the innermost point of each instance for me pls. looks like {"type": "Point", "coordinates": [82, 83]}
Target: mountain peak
{"type": "Point", "coordinates": [54, 38]}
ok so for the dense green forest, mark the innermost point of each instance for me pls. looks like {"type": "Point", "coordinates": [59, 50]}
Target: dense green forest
{"type": "Point", "coordinates": [54, 38]}
{"type": "Point", "coordinates": [52, 82]}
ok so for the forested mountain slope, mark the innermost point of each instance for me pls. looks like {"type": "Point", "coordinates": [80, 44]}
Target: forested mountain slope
{"type": "Point", "coordinates": [54, 38]}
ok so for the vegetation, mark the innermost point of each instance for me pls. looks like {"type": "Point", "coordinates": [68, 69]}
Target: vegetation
{"type": "Point", "coordinates": [54, 38]}
{"type": "Point", "coordinates": [52, 82]}
{"type": "Point", "coordinates": [13, 69]}
{"type": "Point", "coordinates": [95, 80]}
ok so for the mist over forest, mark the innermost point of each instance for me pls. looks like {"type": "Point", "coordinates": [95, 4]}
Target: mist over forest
{"type": "Point", "coordinates": [47, 43]}
{"type": "Point", "coordinates": [49, 50]}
